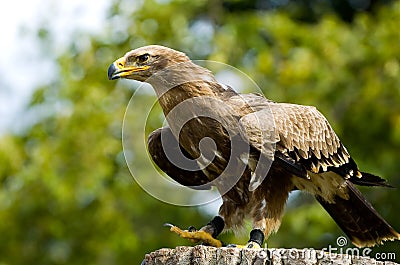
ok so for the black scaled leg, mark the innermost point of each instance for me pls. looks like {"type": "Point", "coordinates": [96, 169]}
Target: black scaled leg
{"type": "Point", "coordinates": [256, 240]}
{"type": "Point", "coordinates": [215, 226]}
{"type": "Point", "coordinates": [256, 236]}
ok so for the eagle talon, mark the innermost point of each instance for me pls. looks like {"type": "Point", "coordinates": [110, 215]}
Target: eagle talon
{"type": "Point", "coordinates": [252, 245]}
{"type": "Point", "coordinates": [196, 236]}
{"type": "Point", "coordinates": [192, 229]}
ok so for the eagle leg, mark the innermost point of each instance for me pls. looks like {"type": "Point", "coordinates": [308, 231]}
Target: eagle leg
{"type": "Point", "coordinates": [206, 234]}
{"type": "Point", "coordinates": [256, 238]}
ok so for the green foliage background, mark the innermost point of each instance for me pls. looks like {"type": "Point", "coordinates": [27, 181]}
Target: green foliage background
{"type": "Point", "coordinates": [67, 196]}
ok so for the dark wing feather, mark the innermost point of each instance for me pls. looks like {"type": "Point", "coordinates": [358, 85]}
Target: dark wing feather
{"type": "Point", "coordinates": [194, 178]}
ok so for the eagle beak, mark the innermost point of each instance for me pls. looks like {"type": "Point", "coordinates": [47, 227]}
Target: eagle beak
{"type": "Point", "coordinates": [118, 69]}
{"type": "Point", "coordinates": [111, 72]}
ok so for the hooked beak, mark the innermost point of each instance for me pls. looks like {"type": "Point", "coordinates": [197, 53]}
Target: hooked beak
{"type": "Point", "coordinates": [113, 72]}
{"type": "Point", "coordinates": [118, 69]}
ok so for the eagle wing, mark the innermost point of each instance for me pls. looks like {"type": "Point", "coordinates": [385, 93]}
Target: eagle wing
{"type": "Point", "coordinates": [161, 140]}
{"type": "Point", "coordinates": [306, 136]}
{"type": "Point", "coordinates": [300, 133]}
{"type": "Point", "coordinates": [293, 134]}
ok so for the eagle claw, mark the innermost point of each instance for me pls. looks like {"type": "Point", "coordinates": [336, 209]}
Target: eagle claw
{"type": "Point", "coordinates": [252, 245]}
{"type": "Point", "coordinates": [196, 236]}
{"type": "Point", "coordinates": [192, 229]}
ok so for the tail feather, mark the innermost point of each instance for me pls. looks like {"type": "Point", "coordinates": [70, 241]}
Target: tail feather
{"type": "Point", "coordinates": [358, 219]}
{"type": "Point", "coordinates": [351, 172]}
{"type": "Point", "coordinates": [368, 179]}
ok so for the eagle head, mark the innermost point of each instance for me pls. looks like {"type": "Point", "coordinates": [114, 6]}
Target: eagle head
{"type": "Point", "coordinates": [142, 63]}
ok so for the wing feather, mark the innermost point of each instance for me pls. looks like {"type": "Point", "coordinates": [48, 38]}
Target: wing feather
{"type": "Point", "coordinates": [306, 136]}
{"type": "Point", "coordinates": [301, 133]}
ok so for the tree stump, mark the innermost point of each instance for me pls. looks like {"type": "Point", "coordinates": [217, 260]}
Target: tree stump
{"type": "Point", "coordinates": [203, 255]}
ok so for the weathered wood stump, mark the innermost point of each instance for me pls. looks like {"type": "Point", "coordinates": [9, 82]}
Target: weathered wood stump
{"type": "Point", "coordinates": [203, 255]}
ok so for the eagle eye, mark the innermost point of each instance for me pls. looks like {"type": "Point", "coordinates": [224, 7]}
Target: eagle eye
{"type": "Point", "coordinates": [143, 58]}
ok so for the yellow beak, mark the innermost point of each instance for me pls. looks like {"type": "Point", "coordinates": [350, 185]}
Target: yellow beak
{"type": "Point", "coordinates": [118, 69]}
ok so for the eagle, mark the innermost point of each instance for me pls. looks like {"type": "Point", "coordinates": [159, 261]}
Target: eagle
{"type": "Point", "coordinates": [253, 150]}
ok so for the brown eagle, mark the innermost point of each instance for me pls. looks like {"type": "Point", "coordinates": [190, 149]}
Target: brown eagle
{"type": "Point", "coordinates": [253, 150]}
